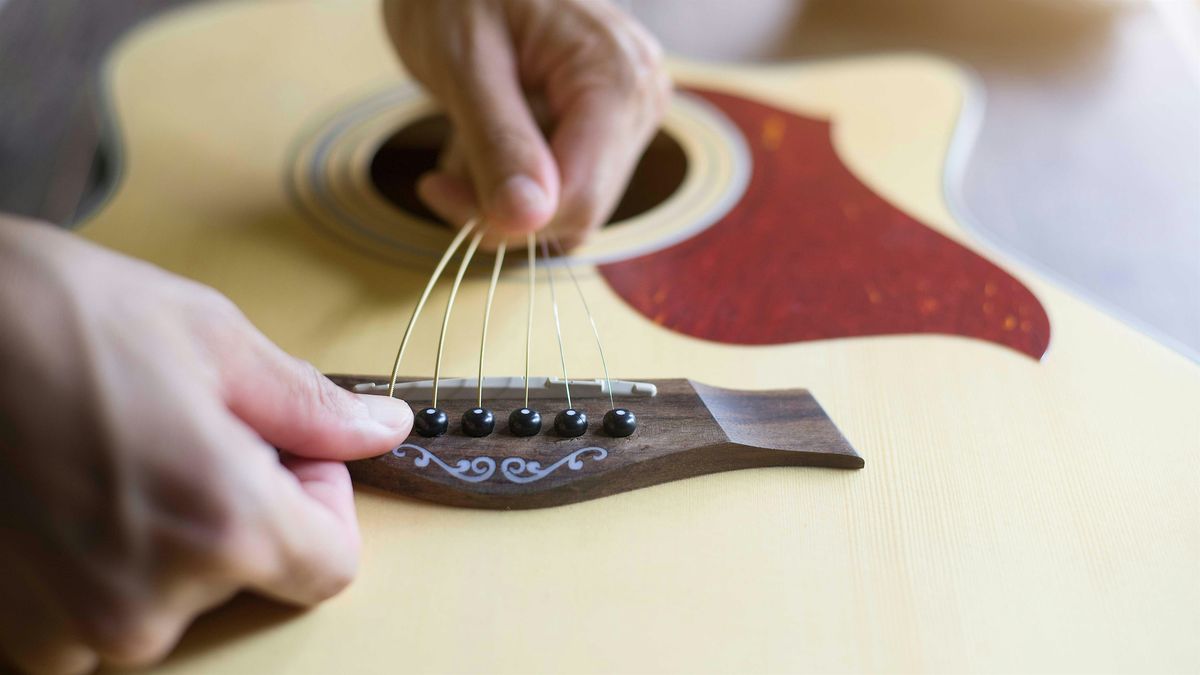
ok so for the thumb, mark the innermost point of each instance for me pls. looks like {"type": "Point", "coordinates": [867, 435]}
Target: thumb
{"type": "Point", "coordinates": [512, 168]}
{"type": "Point", "coordinates": [292, 406]}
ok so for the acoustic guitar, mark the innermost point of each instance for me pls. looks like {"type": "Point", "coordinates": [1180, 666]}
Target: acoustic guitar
{"type": "Point", "coordinates": [792, 273]}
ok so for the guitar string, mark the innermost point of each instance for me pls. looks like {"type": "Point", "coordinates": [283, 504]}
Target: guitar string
{"type": "Point", "coordinates": [462, 269]}
{"type": "Point", "coordinates": [562, 353]}
{"type": "Point", "coordinates": [531, 247]}
{"type": "Point", "coordinates": [500, 253]}
{"type": "Point", "coordinates": [487, 313]}
{"type": "Point", "coordinates": [591, 319]}
{"type": "Point", "coordinates": [433, 279]}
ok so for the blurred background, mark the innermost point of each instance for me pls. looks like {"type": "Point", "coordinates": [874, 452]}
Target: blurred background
{"type": "Point", "coordinates": [1086, 165]}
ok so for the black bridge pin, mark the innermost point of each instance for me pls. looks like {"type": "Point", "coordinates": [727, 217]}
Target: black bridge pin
{"type": "Point", "coordinates": [524, 422]}
{"type": "Point", "coordinates": [571, 423]}
{"type": "Point", "coordinates": [431, 422]}
{"type": "Point", "coordinates": [619, 422]}
{"type": "Point", "coordinates": [478, 422]}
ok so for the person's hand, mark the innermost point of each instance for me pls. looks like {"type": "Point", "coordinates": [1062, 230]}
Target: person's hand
{"type": "Point", "coordinates": [498, 66]}
{"type": "Point", "coordinates": [139, 479]}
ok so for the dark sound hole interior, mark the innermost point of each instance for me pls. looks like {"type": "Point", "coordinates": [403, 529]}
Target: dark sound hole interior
{"type": "Point", "coordinates": [414, 149]}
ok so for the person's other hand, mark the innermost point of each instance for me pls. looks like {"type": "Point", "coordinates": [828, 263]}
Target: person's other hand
{"type": "Point", "coordinates": [585, 68]}
{"type": "Point", "coordinates": [139, 479]}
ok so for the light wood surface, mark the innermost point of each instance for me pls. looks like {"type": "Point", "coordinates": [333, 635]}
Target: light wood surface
{"type": "Point", "coordinates": [1014, 515]}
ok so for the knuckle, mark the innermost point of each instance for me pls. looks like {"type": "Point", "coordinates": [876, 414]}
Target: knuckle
{"type": "Point", "coordinates": [218, 307]}
{"type": "Point", "coordinates": [650, 52]}
{"type": "Point", "coordinates": [510, 145]}
{"type": "Point", "coordinates": [213, 315]}
{"type": "Point", "coordinates": [322, 395]}
{"type": "Point", "coordinates": [319, 401]}
{"type": "Point", "coordinates": [628, 73]}
{"type": "Point", "coordinates": [635, 63]}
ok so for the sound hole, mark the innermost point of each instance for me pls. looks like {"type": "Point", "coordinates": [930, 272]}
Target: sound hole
{"type": "Point", "coordinates": [414, 149]}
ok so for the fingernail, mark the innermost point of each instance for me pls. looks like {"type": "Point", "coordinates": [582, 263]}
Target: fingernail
{"type": "Point", "coordinates": [389, 412]}
{"type": "Point", "coordinates": [523, 202]}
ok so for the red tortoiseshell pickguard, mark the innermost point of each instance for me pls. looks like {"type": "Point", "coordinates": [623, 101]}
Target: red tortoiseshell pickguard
{"type": "Point", "coordinates": [811, 253]}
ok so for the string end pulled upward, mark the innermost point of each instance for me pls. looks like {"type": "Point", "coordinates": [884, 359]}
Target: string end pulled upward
{"type": "Point", "coordinates": [462, 270]}
{"type": "Point", "coordinates": [433, 279]}
{"type": "Point", "coordinates": [591, 319]}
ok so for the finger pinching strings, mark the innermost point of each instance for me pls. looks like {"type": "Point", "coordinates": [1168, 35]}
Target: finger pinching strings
{"type": "Point", "coordinates": [433, 279]}
{"type": "Point", "coordinates": [433, 421]}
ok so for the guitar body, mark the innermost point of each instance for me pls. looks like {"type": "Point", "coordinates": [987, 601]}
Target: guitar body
{"type": "Point", "coordinates": [1030, 496]}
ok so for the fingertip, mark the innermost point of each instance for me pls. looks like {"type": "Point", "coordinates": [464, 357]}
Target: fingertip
{"type": "Point", "coordinates": [520, 204]}
{"type": "Point", "coordinates": [392, 416]}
